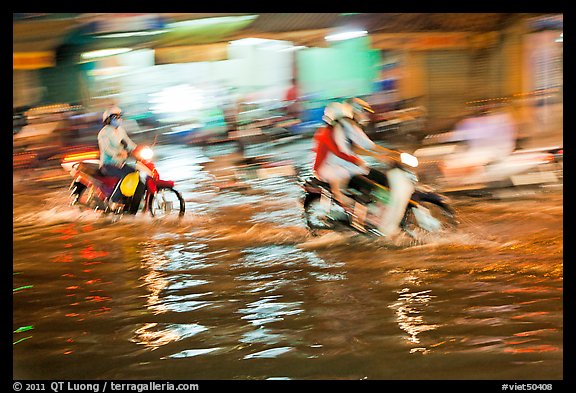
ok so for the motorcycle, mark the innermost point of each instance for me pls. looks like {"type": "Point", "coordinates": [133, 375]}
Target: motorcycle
{"type": "Point", "coordinates": [537, 167]}
{"type": "Point", "coordinates": [142, 190]}
{"type": "Point", "coordinates": [426, 212]}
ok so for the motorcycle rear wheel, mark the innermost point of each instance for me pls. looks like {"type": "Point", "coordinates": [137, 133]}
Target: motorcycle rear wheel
{"type": "Point", "coordinates": [84, 197]}
{"type": "Point", "coordinates": [319, 221]}
{"type": "Point", "coordinates": [315, 215]}
{"type": "Point", "coordinates": [166, 202]}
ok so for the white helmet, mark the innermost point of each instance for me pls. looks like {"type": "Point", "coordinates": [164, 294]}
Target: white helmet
{"type": "Point", "coordinates": [114, 110]}
{"type": "Point", "coordinates": [335, 111]}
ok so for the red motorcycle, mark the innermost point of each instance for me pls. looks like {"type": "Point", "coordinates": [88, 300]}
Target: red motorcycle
{"type": "Point", "coordinates": [92, 189]}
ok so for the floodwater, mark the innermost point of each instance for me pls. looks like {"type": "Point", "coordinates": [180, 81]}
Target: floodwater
{"type": "Point", "coordinates": [238, 290]}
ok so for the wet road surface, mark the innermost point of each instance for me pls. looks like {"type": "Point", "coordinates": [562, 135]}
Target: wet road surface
{"type": "Point", "coordinates": [237, 289]}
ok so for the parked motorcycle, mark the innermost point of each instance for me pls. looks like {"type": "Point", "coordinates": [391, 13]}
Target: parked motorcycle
{"type": "Point", "coordinates": [426, 211]}
{"type": "Point", "coordinates": [92, 189]}
{"type": "Point", "coordinates": [536, 167]}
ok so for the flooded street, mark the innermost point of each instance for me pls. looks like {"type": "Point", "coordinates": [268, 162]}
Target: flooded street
{"type": "Point", "coordinates": [238, 289]}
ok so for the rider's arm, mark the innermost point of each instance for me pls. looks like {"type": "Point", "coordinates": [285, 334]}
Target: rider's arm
{"type": "Point", "coordinates": [328, 141]}
{"type": "Point", "coordinates": [362, 144]}
{"type": "Point", "coordinates": [386, 156]}
{"type": "Point", "coordinates": [130, 145]}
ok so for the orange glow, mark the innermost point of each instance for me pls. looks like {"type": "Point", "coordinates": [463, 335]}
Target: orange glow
{"type": "Point", "coordinates": [98, 299]}
{"type": "Point", "coordinates": [90, 155]}
{"type": "Point", "coordinates": [532, 314]}
{"type": "Point", "coordinates": [101, 310]}
{"type": "Point", "coordinates": [67, 232]}
{"type": "Point", "coordinates": [534, 332]}
{"type": "Point", "coordinates": [527, 290]}
{"type": "Point", "coordinates": [519, 342]}
{"type": "Point", "coordinates": [62, 258]}
{"type": "Point", "coordinates": [537, 348]}
{"type": "Point", "coordinates": [90, 253]}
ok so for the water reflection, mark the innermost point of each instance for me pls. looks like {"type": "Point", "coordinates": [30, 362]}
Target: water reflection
{"type": "Point", "coordinates": [235, 296]}
{"type": "Point", "coordinates": [188, 353]}
{"type": "Point", "coordinates": [261, 335]}
{"type": "Point", "coordinates": [266, 310]}
{"type": "Point", "coordinates": [22, 329]}
{"type": "Point", "coordinates": [411, 306]}
{"type": "Point", "coordinates": [154, 335]}
{"type": "Point", "coordinates": [160, 261]}
{"type": "Point", "coordinates": [269, 353]}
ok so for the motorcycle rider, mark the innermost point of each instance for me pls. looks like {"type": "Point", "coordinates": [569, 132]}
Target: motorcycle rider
{"type": "Point", "coordinates": [115, 146]}
{"type": "Point", "coordinates": [332, 163]}
{"type": "Point", "coordinates": [336, 162]}
{"type": "Point", "coordinates": [490, 135]}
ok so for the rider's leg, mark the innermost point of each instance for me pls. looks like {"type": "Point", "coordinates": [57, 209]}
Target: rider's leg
{"type": "Point", "coordinates": [337, 186]}
{"type": "Point", "coordinates": [111, 170]}
{"type": "Point", "coordinates": [338, 178]}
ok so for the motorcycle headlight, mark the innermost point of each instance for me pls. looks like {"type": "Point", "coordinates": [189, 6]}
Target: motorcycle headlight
{"type": "Point", "coordinates": [145, 154]}
{"type": "Point", "coordinates": [408, 159]}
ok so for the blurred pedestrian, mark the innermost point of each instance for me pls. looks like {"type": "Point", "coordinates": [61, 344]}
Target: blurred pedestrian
{"type": "Point", "coordinates": [292, 100]}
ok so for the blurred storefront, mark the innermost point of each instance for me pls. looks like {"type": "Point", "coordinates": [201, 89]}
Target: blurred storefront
{"type": "Point", "coordinates": [442, 71]}
{"type": "Point", "coordinates": [35, 44]}
{"type": "Point", "coordinates": [543, 57]}
{"type": "Point", "coordinates": [210, 58]}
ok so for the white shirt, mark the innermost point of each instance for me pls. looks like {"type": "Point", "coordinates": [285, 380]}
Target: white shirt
{"type": "Point", "coordinates": [110, 144]}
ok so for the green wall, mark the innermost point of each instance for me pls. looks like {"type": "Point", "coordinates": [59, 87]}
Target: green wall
{"type": "Point", "coordinates": [346, 68]}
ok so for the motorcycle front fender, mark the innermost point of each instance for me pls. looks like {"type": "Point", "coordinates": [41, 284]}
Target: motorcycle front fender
{"type": "Point", "coordinates": [425, 219]}
{"type": "Point", "coordinates": [151, 185]}
{"type": "Point", "coordinates": [401, 189]}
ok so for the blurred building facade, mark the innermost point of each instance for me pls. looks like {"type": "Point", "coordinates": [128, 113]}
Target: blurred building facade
{"type": "Point", "coordinates": [442, 69]}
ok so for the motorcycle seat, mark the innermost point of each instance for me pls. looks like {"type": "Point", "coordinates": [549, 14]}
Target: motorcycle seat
{"type": "Point", "coordinates": [90, 168]}
{"type": "Point", "coordinates": [314, 181]}
{"type": "Point", "coordinates": [363, 199]}
{"type": "Point", "coordinates": [105, 183]}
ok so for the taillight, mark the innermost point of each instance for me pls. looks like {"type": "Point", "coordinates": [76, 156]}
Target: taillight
{"type": "Point", "coordinates": [90, 155]}
{"type": "Point", "coordinates": [548, 158]}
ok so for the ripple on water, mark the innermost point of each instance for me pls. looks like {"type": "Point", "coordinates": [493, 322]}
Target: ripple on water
{"type": "Point", "coordinates": [269, 353]}
{"type": "Point", "coordinates": [154, 335]}
{"type": "Point", "coordinates": [266, 310]}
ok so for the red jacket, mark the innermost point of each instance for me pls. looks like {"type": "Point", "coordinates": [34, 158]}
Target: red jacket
{"type": "Point", "coordinates": [324, 144]}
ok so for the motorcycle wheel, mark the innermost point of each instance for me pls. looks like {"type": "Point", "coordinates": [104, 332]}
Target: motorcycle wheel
{"type": "Point", "coordinates": [83, 197]}
{"type": "Point", "coordinates": [166, 202]}
{"type": "Point", "coordinates": [315, 215]}
{"type": "Point", "coordinates": [442, 213]}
